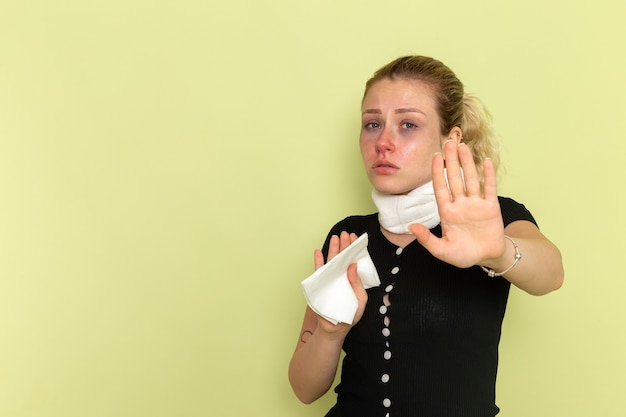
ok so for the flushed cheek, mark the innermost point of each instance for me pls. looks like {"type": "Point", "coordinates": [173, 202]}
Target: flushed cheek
{"type": "Point", "coordinates": [368, 154]}
{"type": "Point", "coordinates": [367, 145]}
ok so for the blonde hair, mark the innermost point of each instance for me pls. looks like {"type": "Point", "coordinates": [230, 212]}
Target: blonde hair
{"type": "Point", "coordinates": [478, 132]}
{"type": "Point", "coordinates": [455, 108]}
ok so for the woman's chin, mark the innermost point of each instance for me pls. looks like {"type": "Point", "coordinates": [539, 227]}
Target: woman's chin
{"type": "Point", "coordinates": [391, 190]}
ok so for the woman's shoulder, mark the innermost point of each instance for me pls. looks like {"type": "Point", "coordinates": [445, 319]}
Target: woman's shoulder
{"type": "Point", "coordinates": [358, 224]}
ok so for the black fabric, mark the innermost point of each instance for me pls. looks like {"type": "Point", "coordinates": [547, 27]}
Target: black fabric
{"type": "Point", "coordinates": [445, 326]}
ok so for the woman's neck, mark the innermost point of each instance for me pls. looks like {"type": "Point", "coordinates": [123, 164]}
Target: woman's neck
{"type": "Point", "coordinates": [402, 240]}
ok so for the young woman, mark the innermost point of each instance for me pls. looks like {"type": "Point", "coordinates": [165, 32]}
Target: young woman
{"type": "Point", "coordinates": [446, 248]}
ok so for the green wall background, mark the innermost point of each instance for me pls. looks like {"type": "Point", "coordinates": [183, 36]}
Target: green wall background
{"type": "Point", "coordinates": [168, 167]}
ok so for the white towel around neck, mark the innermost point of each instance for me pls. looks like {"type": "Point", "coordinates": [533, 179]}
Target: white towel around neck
{"type": "Point", "coordinates": [397, 212]}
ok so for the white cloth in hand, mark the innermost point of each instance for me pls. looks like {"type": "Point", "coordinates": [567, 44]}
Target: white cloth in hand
{"type": "Point", "coordinates": [328, 291]}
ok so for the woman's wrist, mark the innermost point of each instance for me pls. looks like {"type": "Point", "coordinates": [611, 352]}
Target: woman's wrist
{"type": "Point", "coordinates": [507, 262]}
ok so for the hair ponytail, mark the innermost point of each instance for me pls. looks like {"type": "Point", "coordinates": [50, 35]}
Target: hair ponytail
{"type": "Point", "coordinates": [478, 132]}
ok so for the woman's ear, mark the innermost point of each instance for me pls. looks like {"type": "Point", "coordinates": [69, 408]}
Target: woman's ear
{"type": "Point", "coordinates": [456, 134]}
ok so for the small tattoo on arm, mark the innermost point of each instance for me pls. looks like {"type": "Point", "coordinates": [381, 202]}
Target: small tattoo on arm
{"type": "Point", "coordinates": [305, 335]}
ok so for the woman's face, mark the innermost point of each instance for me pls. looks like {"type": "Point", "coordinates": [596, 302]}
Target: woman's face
{"type": "Point", "coordinates": [399, 135]}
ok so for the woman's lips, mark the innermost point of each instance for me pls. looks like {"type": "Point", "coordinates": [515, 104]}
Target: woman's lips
{"type": "Point", "coordinates": [384, 167]}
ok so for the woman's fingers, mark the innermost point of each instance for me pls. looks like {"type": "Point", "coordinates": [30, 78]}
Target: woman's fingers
{"type": "Point", "coordinates": [490, 185]}
{"type": "Point", "coordinates": [453, 172]}
{"type": "Point", "coordinates": [333, 247]}
{"type": "Point", "coordinates": [336, 245]}
{"type": "Point", "coordinates": [344, 241]}
{"type": "Point", "coordinates": [318, 259]}
{"type": "Point", "coordinates": [470, 173]}
{"type": "Point", "coordinates": [440, 183]}
{"type": "Point", "coordinates": [460, 171]}
{"type": "Point", "coordinates": [354, 279]}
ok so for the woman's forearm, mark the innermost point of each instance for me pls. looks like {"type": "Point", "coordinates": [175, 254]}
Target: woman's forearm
{"type": "Point", "coordinates": [314, 365]}
{"type": "Point", "coordinates": [540, 269]}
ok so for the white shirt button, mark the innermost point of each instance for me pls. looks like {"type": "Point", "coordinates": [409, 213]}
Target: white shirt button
{"type": "Point", "coordinates": [387, 402]}
{"type": "Point", "coordinates": [385, 378]}
{"type": "Point", "coordinates": [387, 354]}
{"type": "Point", "coordinates": [398, 251]}
{"type": "Point", "coordinates": [386, 332]}
{"type": "Point", "coordinates": [382, 309]}
{"type": "Point", "coordinates": [388, 288]}
{"type": "Point", "coordinates": [395, 270]}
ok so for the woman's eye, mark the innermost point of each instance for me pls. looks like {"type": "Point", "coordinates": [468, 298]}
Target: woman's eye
{"type": "Point", "coordinates": [372, 125]}
{"type": "Point", "coordinates": [409, 125]}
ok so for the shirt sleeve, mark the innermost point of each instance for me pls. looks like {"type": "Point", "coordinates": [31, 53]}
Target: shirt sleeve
{"type": "Point", "coordinates": [513, 211]}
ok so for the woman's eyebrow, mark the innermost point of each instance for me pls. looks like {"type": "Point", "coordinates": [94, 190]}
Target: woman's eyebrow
{"type": "Point", "coordinates": [397, 111]}
{"type": "Point", "coordinates": [410, 110]}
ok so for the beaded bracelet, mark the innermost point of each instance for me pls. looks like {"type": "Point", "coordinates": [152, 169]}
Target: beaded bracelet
{"type": "Point", "coordinates": [492, 274]}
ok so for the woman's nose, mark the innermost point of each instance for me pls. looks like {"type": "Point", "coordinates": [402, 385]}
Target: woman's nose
{"type": "Point", "coordinates": [385, 142]}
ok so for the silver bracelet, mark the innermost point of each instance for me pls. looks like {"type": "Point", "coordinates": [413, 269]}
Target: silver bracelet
{"type": "Point", "coordinates": [492, 274]}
